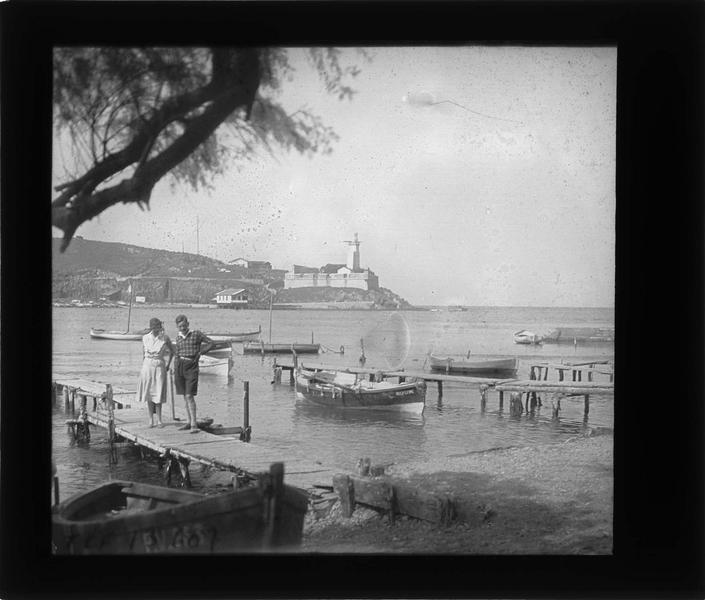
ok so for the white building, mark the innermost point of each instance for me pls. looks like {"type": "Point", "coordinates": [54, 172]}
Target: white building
{"type": "Point", "coordinates": [231, 298]}
{"type": "Point", "coordinates": [349, 275]}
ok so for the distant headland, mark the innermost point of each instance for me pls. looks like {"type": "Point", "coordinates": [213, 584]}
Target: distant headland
{"type": "Point", "coordinates": [95, 273]}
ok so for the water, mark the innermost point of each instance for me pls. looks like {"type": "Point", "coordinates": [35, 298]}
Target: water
{"type": "Point", "coordinates": [391, 340]}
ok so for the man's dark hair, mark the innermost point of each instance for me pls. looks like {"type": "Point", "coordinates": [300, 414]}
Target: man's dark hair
{"type": "Point", "coordinates": [180, 318]}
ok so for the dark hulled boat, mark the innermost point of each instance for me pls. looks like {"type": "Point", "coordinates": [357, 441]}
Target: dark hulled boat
{"type": "Point", "coordinates": [123, 517]}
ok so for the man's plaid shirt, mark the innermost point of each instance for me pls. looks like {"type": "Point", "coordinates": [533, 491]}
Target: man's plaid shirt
{"type": "Point", "coordinates": [189, 346]}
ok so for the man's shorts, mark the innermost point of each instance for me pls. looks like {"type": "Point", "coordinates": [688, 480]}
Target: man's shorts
{"type": "Point", "coordinates": [186, 376]}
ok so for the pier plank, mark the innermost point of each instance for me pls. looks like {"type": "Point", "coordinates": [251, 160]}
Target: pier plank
{"type": "Point", "coordinates": [222, 452]}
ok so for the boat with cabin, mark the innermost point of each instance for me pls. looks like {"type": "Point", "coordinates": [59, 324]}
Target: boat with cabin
{"type": "Point", "coordinates": [126, 517]}
{"type": "Point", "coordinates": [340, 389]}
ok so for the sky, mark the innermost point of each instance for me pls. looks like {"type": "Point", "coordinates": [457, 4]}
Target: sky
{"type": "Point", "coordinates": [482, 176]}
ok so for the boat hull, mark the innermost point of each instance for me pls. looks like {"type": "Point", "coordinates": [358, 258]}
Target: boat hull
{"type": "Point", "coordinates": [235, 337]}
{"type": "Point", "coordinates": [264, 348]}
{"type": "Point", "coordinates": [407, 397]}
{"type": "Point", "coordinates": [527, 337]}
{"type": "Point", "coordinates": [129, 336]}
{"type": "Point", "coordinates": [211, 365]}
{"type": "Point", "coordinates": [579, 334]}
{"type": "Point", "coordinates": [121, 517]}
{"type": "Point", "coordinates": [449, 364]}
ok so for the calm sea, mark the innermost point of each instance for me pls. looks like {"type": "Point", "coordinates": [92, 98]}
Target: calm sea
{"type": "Point", "coordinates": [454, 426]}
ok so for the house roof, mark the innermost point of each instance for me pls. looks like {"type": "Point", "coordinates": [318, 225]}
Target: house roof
{"type": "Point", "coordinates": [229, 292]}
{"type": "Point", "coordinates": [303, 269]}
{"type": "Point", "coordinates": [332, 267]}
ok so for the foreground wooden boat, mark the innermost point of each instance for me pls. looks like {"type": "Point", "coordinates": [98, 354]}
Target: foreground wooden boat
{"type": "Point", "coordinates": [579, 334]}
{"type": "Point", "coordinates": [235, 337]}
{"type": "Point", "coordinates": [123, 517]}
{"type": "Point", "coordinates": [269, 348]}
{"type": "Point", "coordinates": [477, 365]}
{"type": "Point", "coordinates": [527, 337]}
{"type": "Point", "coordinates": [345, 390]}
{"type": "Point", "coordinates": [105, 334]}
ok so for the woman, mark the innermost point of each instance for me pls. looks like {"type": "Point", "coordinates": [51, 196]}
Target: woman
{"type": "Point", "coordinates": [151, 387]}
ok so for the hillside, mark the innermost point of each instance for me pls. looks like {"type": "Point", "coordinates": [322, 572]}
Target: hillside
{"type": "Point", "coordinates": [124, 260]}
{"type": "Point", "coordinates": [90, 270]}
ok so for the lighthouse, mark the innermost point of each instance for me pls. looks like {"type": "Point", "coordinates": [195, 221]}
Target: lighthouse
{"type": "Point", "coordinates": [353, 255]}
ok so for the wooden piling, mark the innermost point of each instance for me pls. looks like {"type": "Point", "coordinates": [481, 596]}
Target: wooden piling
{"type": "Point", "coordinates": [587, 405]}
{"type": "Point", "coordinates": [440, 389]}
{"type": "Point", "coordinates": [343, 486]}
{"type": "Point", "coordinates": [246, 429]}
{"type": "Point", "coordinates": [483, 397]}
{"type": "Point", "coordinates": [501, 401]}
{"type": "Point", "coordinates": [67, 400]}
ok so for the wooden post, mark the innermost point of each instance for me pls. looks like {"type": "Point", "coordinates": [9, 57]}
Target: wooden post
{"type": "Point", "coordinates": [587, 405]}
{"type": "Point", "coordinates": [56, 489]}
{"type": "Point", "coordinates": [483, 397]}
{"type": "Point", "coordinates": [73, 401]}
{"type": "Point", "coordinates": [273, 493]}
{"type": "Point", "coordinates": [532, 374]}
{"type": "Point", "coordinates": [183, 467]}
{"type": "Point", "coordinates": [501, 401]}
{"type": "Point", "coordinates": [343, 486]}
{"type": "Point", "coordinates": [67, 401]}
{"type": "Point", "coordinates": [111, 421]}
{"type": "Point", "coordinates": [440, 389]}
{"type": "Point", "coordinates": [246, 429]}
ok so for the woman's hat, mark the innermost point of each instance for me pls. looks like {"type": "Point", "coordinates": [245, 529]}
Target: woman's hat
{"type": "Point", "coordinates": [154, 322]}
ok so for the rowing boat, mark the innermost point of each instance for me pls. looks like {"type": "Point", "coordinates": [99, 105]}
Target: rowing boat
{"type": "Point", "coordinates": [270, 348]}
{"type": "Point", "coordinates": [527, 337]}
{"type": "Point", "coordinates": [105, 334]}
{"type": "Point", "coordinates": [345, 390]}
{"type": "Point", "coordinates": [124, 517]}
{"type": "Point", "coordinates": [211, 365]}
{"type": "Point", "coordinates": [466, 364]}
{"type": "Point", "coordinates": [244, 336]}
{"type": "Point", "coordinates": [579, 334]}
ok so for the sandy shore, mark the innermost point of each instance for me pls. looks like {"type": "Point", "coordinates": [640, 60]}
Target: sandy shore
{"type": "Point", "coordinates": [549, 499]}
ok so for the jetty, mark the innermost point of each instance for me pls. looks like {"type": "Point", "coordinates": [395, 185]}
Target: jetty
{"type": "Point", "coordinates": [226, 449]}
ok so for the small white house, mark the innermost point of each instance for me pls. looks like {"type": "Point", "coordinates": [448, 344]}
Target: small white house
{"type": "Point", "coordinates": [231, 298]}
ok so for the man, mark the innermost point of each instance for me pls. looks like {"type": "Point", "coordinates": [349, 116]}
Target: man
{"type": "Point", "coordinates": [188, 350]}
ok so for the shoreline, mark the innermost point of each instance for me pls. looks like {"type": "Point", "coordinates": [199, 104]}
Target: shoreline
{"type": "Point", "coordinates": [547, 499]}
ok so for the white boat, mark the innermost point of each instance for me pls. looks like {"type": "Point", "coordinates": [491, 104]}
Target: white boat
{"type": "Point", "coordinates": [527, 337]}
{"type": "Point", "coordinates": [211, 365]}
{"type": "Point", "coordinates": [105, 334]}
{"type": "Point", "coordinates": [244, 336]}
{"type": "Point", "coordinates": [477, 365]}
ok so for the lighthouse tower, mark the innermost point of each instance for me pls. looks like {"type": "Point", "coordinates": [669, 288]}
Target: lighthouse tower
{"type": "Point", "coordinates": [353, 255]}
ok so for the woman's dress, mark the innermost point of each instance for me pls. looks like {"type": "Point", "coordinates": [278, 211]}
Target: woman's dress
{"type": "Point", "coordinates": [152, 381]}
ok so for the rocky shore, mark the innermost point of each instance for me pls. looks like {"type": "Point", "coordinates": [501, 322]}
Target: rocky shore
{"type": "Point", "coordinates": [549, 499]}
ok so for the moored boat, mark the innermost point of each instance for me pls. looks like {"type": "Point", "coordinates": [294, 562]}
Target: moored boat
{"type": "Point", "coordinates": [527, 337]}
{"type": "Point", "coordinates": [105, 334]}
{"type": "Point", "coordinates": [347, 391]}
{"type": "Point", "coordinates": [244, 336]}
{"type": "Point", "coordinates": [579, 334]}
{"type": "Point", "coordinates": [123, 517]}
{"type": "Point", "coordinates": [473, 365]}
{"type": "Point", "coordinates": [270, 348]}
{"type": "Point", "coordinates": [211, 365]}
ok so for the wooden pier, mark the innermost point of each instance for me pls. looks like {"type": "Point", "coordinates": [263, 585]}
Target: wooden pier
{"type": "Point", "coordinates": [233, 453]}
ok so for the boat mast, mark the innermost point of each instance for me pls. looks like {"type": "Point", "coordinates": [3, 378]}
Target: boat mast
{"type": "Point", "coordinates": [129, 308]}
{"type": "Point", "coordinates": [271, 296]}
